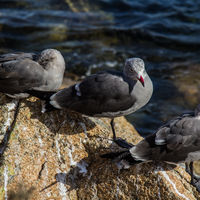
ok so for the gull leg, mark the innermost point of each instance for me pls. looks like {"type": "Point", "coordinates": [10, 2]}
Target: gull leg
{"type": "Point", "coordinates": [112, 123]}
{"type": "Point", "coordinates": [191, 173]}
{"type": "Point", "coordinates": [195, 182]}
{"type": "Point", "coordinates": [189, 170]}
{"type": "Point", "coordinates": [119, 141]}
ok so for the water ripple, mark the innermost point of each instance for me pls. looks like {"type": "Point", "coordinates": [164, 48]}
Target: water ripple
{"type": "Point", "coordinates": [96, 35]}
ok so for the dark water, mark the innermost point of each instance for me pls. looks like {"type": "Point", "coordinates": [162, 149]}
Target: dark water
{"type": "Point", "coordinates": [95, 35]}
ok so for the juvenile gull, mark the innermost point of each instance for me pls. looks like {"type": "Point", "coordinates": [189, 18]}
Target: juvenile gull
{"type": "Point", "coordinates": [105, 94]}
{"type": "Point", "coordinates": [25, 71]}
{"type": "Point", "coordinates": [176, 141]}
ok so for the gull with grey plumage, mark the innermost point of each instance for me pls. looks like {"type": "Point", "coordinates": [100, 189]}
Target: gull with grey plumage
{"type": "Point", "coordinates": [28, 71]}
{"type": "Point", "coordinates": [176, 141]}
{"type": "Point", "coordinates": [105, 94]}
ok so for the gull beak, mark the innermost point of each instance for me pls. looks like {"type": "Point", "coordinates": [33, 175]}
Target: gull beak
{"type": "Point", "coordinates": [140, 78]}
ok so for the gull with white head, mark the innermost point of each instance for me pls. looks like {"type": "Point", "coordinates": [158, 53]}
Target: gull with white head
{"type": "Point", "coordinates": [105, 94]}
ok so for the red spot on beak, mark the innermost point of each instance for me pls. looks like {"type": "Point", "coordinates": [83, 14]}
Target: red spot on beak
{"type": "Point", "coordinates": [141, 80]}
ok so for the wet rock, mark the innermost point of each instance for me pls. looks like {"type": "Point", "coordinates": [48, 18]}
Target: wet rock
{"type": "Point", "coordinates": [187, 81]}
{"type": "Point", "coordinates": [56, 156]}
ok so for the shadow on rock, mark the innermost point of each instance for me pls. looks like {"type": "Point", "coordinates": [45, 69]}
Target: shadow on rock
{"type": "Point", "coordinates": [59, 121]}
{"type": "Point", "coordinates": [94, 170]}
{"type": "Point", "coordinates": [20, 193]}
{"type": "Point", "coordinates": [4, 99]}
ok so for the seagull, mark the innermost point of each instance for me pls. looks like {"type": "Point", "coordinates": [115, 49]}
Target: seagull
{"type": "Point", "coordinates": [28, 71]}
{"type": "Point", "coordinates": [105, 94]}
{"type": "Point", "coordinates": [177, 141]}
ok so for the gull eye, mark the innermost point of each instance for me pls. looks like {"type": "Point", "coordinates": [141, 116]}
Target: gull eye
{"type": "Point", "coordinates": [131, 69]}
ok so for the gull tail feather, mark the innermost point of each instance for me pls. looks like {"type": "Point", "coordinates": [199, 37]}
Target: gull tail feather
{"type": "Point", "coordinates": [121, 156]}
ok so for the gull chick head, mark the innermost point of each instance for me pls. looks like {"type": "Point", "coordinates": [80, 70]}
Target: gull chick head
{"type": "Point", "coordinates": [134, 69]}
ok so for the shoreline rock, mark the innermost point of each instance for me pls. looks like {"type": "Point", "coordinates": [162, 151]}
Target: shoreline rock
{"type": "Point", "coordinates": [56, 156]}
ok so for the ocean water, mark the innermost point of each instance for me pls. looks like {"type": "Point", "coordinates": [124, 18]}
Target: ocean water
{"type": "Point", "coordinates": [95, 35]}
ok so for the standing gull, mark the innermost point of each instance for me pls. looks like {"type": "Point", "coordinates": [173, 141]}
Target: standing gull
{"type": "Point", "coordinates": [176, 141]}
{"type": "Point", "coordinates": [105, 94]}
{"type": "Point", "coordinates": [28, 71]}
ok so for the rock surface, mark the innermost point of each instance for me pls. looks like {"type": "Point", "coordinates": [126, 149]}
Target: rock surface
{"type": "Point", "coordinates": [56, 156]}
{"type": "Point", "coordinates": [188, 84]}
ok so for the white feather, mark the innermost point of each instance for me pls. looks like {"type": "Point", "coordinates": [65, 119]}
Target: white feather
{"type": "Point", "coordinates": [160, 141]}
{"type": "Point", "coordinates": [55, 104]}
{"type": "Point", "coordinates": [77, 88]}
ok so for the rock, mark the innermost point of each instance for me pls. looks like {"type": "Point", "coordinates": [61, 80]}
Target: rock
{"type": "Point", "coordinates": [187, 81]}
{"type": "Point", "coordinates": [56, 156]}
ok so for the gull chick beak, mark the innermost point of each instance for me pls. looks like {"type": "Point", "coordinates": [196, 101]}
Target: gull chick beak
{"type": "Point", "coordinates": [140, 78]}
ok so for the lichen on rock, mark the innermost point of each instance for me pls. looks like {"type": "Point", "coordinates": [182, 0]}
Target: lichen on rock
{"type": "Point", "coordinates": [56, 156]}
